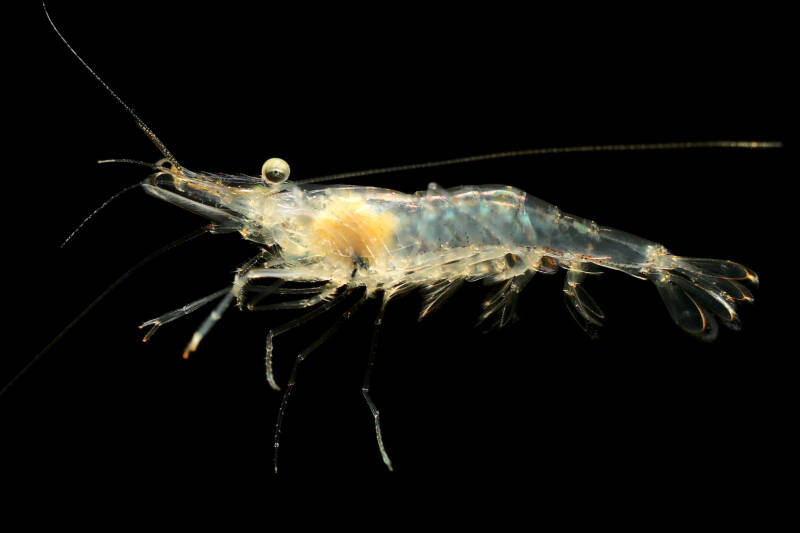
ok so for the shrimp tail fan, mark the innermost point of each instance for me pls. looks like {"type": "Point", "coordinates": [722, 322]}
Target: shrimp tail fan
{"type": "Point", "coordinates": [697, 292]}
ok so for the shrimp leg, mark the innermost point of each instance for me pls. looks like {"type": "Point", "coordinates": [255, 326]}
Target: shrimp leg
{"type": "Point", "coordinates": [368, 378]}
{"type": "Point", "coordinates": [323, 295]}
{"type": "Point", "coordinates": [283, 328]}
{"type": "Point", "coordinates": [236, 291]}
{"type": "Point", "coordinates": [579, 303]}
{"type": "Point", "coordinates": [263, 292]}
{"type": "Point", "coordinates": [166, 318]}
{"type": "Point", "coordinates": [286, 274]}
{"type": "Point", "coordinates": [299, 359]}
{"type": "Point", "coordinates": [209, 323]}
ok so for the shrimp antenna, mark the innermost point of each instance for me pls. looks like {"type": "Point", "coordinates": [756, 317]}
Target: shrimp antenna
{"type": "Point", "coordinates": [174, 244]}
{"type": "Point", "coordinates": [102, 206]}
{"type": "Point", "coordinates": [113, 197]}
{"type": "Point", "coordinates": [151, 166]}
{"type": "Point", "coordinates": [554, 150]}
{"type": "Point", "coordinates": [139, 122]}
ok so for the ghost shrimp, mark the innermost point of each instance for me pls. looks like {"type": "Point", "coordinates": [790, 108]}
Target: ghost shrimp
{"type": "Point", "coordinates": [331, 248]}
{"type": "Point", "coordinates": [342, 239]}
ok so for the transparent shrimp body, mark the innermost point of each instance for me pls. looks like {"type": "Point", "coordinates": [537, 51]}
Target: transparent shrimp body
{"type": "Point", "coordinates": [390, 241]}
{"type": "Point", "coordinates": [339, 238]}
{"type": "Point", "coordinates": [439, 238]}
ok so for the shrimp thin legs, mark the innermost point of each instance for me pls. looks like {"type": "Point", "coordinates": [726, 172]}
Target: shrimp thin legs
{"type": "Point", "coordinates": [283, 328]}
{"type": "Point", "coordinates": [235, 292]}
{"type": "Point", "coordinates": [368, 378]}
{"type": "Point", "coordinates": [304, 303]}
{"type": "Point", "coordinates": [262, 293]}
{"type": "Point", "coordinates": [299, 359]}
{"type": "Point", "coordinates": [209, 323]}
{"type": "Point", "coordinates": [181, 312]}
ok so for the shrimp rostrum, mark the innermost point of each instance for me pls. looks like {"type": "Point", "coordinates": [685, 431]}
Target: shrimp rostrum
{"type": "Point", "coordinates": [335, 240]}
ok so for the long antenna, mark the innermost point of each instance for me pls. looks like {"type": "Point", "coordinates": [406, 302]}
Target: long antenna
{"type": "Point", "coordinates": [93, 213]}
{"type": "Point", "coordinates": [113, 197]}
{"type": "Point", "coordinates": [139, 122]}
{"type": "Point", "coordinates": [174, 244]}
{"type": "Point", "coordinates": [556, 150]}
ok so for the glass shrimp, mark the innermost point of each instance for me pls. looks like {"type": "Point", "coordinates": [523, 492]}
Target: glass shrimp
{"type": "Point", "coordinates": [341, 240]}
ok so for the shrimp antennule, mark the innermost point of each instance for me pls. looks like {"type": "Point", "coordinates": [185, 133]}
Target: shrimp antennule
{"type": "Point", "coordinates": [139, 122]}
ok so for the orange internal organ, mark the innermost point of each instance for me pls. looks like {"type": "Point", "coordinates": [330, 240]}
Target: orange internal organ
{"type": "Point", "coordinates": [349, 227]}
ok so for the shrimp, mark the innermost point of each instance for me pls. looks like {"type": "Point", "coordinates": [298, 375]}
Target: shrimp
{"type": "Point", "coordinates": [349, 244]}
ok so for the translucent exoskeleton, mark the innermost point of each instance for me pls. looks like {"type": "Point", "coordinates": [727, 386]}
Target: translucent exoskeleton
{"type": "Point", "coordinates": [332, 249]}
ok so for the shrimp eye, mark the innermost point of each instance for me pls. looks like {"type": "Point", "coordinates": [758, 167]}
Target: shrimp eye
{"type": "Point", "coordinates": [275, 170]}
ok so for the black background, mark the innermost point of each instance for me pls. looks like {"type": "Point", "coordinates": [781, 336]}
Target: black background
{"type": "Point", "coordinates": [645, 406]}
